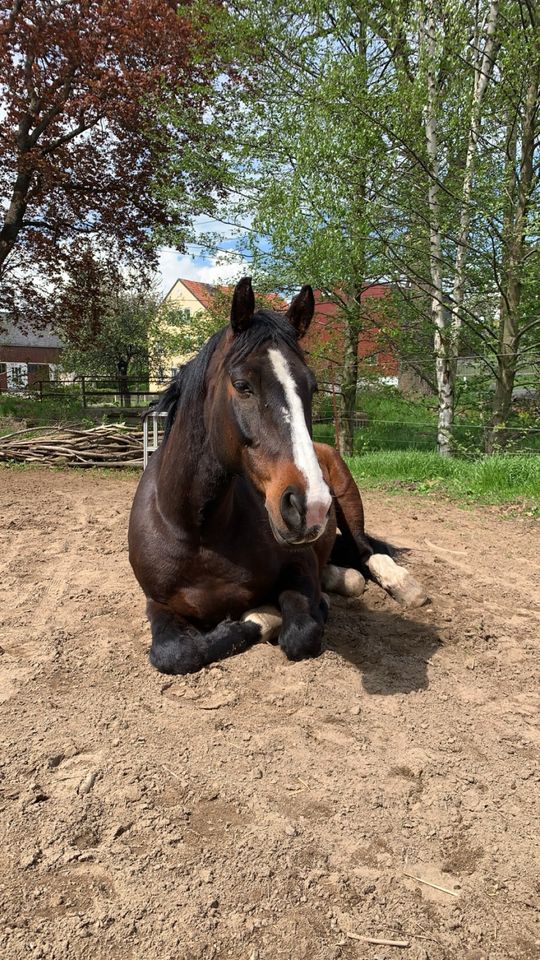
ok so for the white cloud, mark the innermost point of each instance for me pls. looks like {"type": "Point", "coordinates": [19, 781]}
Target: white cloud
{"type": "Point", "coordinates": [173, 265]}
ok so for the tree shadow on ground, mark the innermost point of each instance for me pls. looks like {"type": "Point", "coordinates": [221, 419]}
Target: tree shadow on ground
{"type": "Point", "coordinates": [390, 648]}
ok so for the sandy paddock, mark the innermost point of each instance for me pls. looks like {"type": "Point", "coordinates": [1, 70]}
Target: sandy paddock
{"type": "Point", "coordinates": [262, 809]}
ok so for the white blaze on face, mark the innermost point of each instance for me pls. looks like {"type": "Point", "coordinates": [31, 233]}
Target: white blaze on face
{"type": "Point", "coordinates": [318, 497]}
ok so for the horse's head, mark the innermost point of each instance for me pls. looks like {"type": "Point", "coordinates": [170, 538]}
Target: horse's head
{"type": "Point", "coordinates": [259, 413]}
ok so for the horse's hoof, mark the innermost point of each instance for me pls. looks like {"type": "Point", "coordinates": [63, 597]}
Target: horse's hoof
{"type": "Point", "coordinates": [302, 639]}
{"type": "Point", "coordinates": [176, 657]}
{"type": "Point", "coordinates": [344, 580]}
{"type": "Point", "coordinates": [397, 581]}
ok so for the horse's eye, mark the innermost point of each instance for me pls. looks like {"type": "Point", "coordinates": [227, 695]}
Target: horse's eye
{"type": "Point", "coordinates": [242, 387]}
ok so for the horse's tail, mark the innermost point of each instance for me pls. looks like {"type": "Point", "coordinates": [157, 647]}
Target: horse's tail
{"type": "Point", "coordinates": [382, 546]}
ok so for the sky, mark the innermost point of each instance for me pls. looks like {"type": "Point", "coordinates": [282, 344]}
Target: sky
{"type": "Point", "coordinates": [225, 265]}
{"type": "Point", "coordinates": [207, 269]}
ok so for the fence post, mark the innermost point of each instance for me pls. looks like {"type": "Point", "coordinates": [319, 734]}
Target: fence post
{"type": "Point", "coordinates": [41, 390]}
{"type": "Point", "coordinates": [336, 418]}
{"type": "Point", "coordinates": [83, 391]}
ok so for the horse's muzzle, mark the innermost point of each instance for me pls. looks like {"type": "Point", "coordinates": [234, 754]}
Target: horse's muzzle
{"type": "Point", "coordinates": [293, 509]}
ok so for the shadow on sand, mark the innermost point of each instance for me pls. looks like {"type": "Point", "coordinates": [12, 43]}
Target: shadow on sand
{"type": "Point", "coordinates": [390, 648]}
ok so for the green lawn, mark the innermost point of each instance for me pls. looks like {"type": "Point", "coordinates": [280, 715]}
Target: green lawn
{"type": "Point", "coordinates": [497, 479]}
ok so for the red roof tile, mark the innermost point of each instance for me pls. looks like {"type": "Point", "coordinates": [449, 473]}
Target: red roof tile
{"type": "Point", "coordinates": [205, 291]}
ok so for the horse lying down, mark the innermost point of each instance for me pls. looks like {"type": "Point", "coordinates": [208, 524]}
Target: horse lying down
{"type": "Point", "coordinates": [233, 532]}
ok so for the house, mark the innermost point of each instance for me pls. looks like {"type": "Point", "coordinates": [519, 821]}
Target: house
{"type": "Point", "coordinates": [195, 299]}
{"type": "Point", "coordinates": [26, 358]}
{"type": "Point", "coordinates": [324, 340]}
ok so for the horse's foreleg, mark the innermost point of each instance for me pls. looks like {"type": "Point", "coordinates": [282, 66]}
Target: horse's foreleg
{"type": "Point", "coordinates": [177, 647]}
{"type": "Point", "coordinates": [304, 612]}
{"type": "Point", "coordinates": [354, 546]}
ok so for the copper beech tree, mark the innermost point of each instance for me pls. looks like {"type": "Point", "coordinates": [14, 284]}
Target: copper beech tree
{"type": "Point", "coordinates": [81, 141]}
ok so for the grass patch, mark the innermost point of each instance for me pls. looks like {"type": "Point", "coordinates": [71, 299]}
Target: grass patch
{"type": "Point", "coordinates": [497, 479]}
{"type": "Point", "coordinates": [41, 413]}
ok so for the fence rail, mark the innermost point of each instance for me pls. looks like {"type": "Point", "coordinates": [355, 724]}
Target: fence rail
{"type": "Point", "coordinates": [96, 391]}
{"type": "Point", "coordinates": [376, 430]}
{"type": "Point", "coordinates": [469, 438]}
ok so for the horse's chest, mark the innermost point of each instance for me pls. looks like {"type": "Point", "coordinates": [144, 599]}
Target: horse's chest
{"type": "Point", "coordinates": [225, 582]}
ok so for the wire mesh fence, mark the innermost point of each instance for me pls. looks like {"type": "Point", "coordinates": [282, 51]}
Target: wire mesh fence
{"type": "Point", "coordinates": [387, 420]}
{"type": "Point", "coordinates": [469, 439]}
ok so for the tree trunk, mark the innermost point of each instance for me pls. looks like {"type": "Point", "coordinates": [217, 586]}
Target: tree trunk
{"type": "Point", "coordinates": [519, 186]}
{"type": "Point", "coordinates": [349, 381]}
{"type": "Point", "coordinates": [14, 217]}
{"type": "Point", "coordinates": [482, 74]}
{"type": "Point", "coordinates": [123, 383]}
{"type": "Point", "coordinates": [443, 364]}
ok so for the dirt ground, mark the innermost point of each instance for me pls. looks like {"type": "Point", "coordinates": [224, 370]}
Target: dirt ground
{"type": "Point", "coordinates": [263, 809]}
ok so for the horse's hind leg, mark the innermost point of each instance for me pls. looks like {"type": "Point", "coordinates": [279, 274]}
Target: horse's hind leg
{"type": "Point", "coordinates": [178, 648]}
{"type": "Point", "coordinates": [353, 547]}
{"type": "Point", "coordinates": [343, 580]}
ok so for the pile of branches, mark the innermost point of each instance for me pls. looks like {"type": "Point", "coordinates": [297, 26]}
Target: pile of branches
{"type": "Point", "coordinates": [111, 445]}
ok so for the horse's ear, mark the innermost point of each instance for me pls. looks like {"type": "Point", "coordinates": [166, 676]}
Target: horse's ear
{"type": "Point", "coordinates": [301, 310]}
{"type": "Point", "coordinates": [243, 305]}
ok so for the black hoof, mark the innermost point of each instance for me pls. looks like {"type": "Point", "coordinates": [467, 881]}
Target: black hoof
{"type": "Point", "coordinates": [301, 639]}
{"type": "Point", "coordinates": [177, 657]}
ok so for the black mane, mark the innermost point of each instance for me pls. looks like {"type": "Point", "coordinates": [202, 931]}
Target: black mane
{"type": "Point", "coordinates": [187, 390]}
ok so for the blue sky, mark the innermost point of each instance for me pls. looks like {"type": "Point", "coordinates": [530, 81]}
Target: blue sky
{"type": "Point", "coordinates": [200, 264]}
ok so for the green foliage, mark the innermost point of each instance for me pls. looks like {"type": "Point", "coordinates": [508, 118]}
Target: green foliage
{"type": "Point", "coordinates": [387, 420]}
{"type": "Point", "coordinates": [318, 137]}
{"type": "Point", "coordinates": [110, 320]}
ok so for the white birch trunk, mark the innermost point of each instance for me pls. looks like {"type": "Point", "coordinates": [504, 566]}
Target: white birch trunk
{"type": "Point", "coordinates": [443, 371]}
{"type": "Point", "coordinates": [482, 75]}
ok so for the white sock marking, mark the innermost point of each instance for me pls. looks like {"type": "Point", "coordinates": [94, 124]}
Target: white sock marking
{"type": "Point", "coordinates": [318, 498]}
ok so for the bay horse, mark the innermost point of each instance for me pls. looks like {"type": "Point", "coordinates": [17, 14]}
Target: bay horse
{"type": "Point", "coordinates": [238, 507]}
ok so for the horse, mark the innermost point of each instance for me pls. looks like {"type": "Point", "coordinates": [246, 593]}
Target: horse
{"type": "Point", "coordinates": [234, 525]}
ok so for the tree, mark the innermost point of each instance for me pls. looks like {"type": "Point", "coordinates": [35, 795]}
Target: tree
{"type": "Point", "coordinates": [517, 271]}
{"type": "Point", "coordinates": [371, 140]}
{"type": "Point", "coordinates": [302, 160]}
{"type": "Point", "coordinates": [111, 322]}
{"type": "Point", "coordinates": [82, 142]}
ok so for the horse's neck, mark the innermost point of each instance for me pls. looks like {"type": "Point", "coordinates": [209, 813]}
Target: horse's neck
{"type": "Point", "coordinates": [189, 481]}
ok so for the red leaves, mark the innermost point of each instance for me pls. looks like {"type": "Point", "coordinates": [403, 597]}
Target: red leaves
{"type": "Point", "coordinates": [80, 83]}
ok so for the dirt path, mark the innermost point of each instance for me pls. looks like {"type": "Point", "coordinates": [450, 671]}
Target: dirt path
{"type": "Point", "coordinates": [261, 809]}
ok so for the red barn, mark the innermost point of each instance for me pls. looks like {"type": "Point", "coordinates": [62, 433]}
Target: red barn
{"type": "Point", "coordinates": [325, 336]}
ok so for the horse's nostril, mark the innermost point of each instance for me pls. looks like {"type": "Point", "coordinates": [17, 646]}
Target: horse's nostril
{"type": "Point", "coordinates": [293, 508]}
